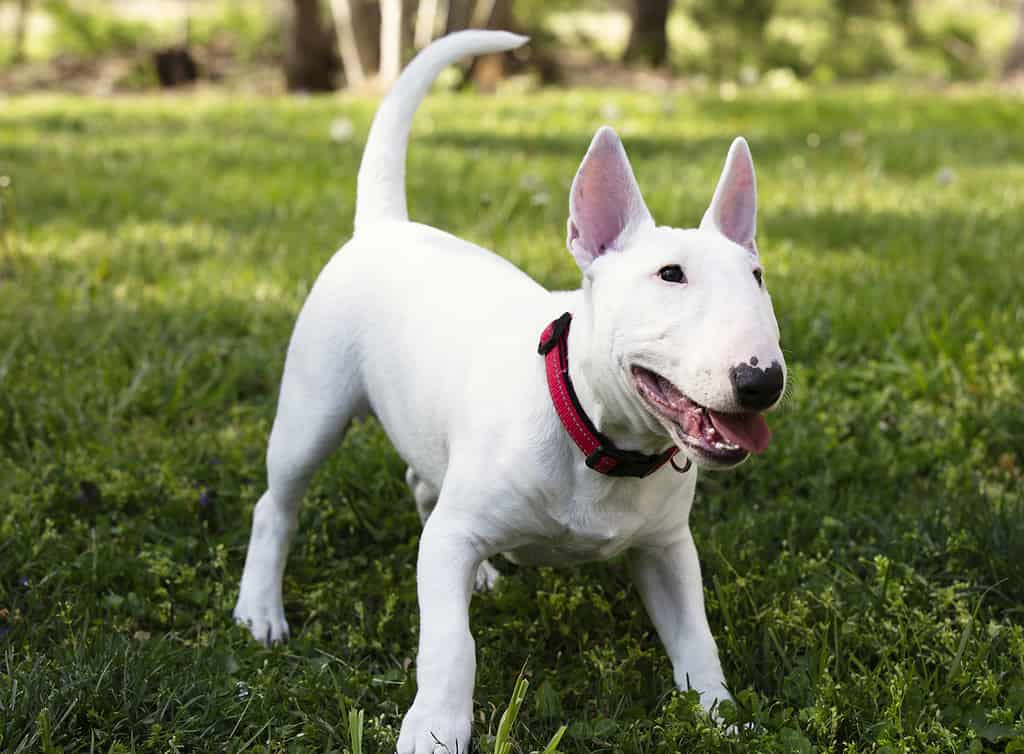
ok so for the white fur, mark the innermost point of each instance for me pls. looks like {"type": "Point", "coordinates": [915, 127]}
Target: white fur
{"type": "Point", "coordinates": [437, 339]}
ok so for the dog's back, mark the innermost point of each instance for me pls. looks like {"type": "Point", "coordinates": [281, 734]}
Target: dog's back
{"type": "Point", "coordinates": [424, 319]}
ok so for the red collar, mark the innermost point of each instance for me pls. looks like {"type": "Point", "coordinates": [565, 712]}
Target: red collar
{"type": "Point", "coordinates": [601, 453]}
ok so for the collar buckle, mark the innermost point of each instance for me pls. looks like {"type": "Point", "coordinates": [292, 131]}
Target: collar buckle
{"type": "Point", "coordinates": [615, 462]}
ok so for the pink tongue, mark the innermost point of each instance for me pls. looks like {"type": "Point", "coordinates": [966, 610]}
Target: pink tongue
{"type": "Point", "coordinates": [749, 431]}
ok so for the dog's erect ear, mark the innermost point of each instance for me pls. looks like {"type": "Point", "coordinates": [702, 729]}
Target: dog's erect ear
{"type": "Point", "coordinates": [605, 204]}
{"type": "Point", "coordinates": [733, 210]}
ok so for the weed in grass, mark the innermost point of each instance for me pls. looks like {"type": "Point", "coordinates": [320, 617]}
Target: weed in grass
{"type": "Point", "coordinates": [7, 218]}
{"type": "Point", "coordinates": [356, 719]}
{"type": "Point", "coordinates": [503, 743]}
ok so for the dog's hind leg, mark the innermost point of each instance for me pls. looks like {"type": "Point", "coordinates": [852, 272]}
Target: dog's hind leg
{"type": "Point", "coordinates": [422, 492]}
{"type": "Point", "coordinates": [425, 496]}
{"type": "Point", "coordinates": [320, 395]}
{"type": "Point", "coordinates": [486, 577]}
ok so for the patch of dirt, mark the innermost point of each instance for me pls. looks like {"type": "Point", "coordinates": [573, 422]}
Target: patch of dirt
{"type": "Point", "coordinates": [136, 72]}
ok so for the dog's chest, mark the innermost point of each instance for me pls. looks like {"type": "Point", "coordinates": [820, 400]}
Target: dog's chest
{"type": "Point", "coordinates": [577, 542]}
{"type": "Point", "coordinates": [593, 528]}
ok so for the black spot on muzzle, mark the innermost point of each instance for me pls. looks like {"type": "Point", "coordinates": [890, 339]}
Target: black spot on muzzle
{"type": "Point", "coordinates": [757, 389]}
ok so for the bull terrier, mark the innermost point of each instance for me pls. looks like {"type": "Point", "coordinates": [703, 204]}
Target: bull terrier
{"type": "Point", "coordinates": [549, 427]}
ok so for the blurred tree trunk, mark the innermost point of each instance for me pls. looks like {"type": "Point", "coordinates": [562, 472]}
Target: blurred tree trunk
{"type": "Point", "coordinates": [1015, 58]}
{"type": "Point", "coordinates": [487, 71]}
{"type": "Point", "coordinates": [484, 12]}
{"type": "Point", "coordinates": [390, 41]}
{"type": "Point", "coordinates": [426, 23]}
{"type": "Point", "coordinates": [648, 38]}
{"type": "Point", "coordinates": [348, 44]}
{"type": "Point", "coordinates": [373, 34]}
{"type": "Point", "coordinates": [358, 27]}
{"type": "Point", "coordinates": [20, 26]}
{"type": "Point", "coordinates": [366, 23]}
{"type": "Point", "coordinates": [311, 61]}
{"type": "Point", "coordinates": [459, 12]}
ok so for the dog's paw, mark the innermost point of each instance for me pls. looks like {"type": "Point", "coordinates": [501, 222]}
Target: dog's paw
{"type": "Point", "coordinates": [711, 699]}
{"type": "Point", "coordinates": [712, 693]}
{"type": "Point", "coordinates": [264, 620]}
{"type": "Point", "coordinates": [433, 731]}
{"type": "Point", "coordinates": [486, 577]}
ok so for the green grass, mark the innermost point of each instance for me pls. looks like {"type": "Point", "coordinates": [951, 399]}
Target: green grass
{"type": "Point", "coordinates": [864, 577]}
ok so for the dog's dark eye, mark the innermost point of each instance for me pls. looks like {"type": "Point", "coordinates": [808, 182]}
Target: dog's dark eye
{"type": "Point", "coordinates": [673, 273]}
{"type": "Point", "coordinates": [759, 277]}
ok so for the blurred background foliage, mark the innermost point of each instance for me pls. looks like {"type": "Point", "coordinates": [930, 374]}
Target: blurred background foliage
{"type": "Point", "coordinates": [300, 44]}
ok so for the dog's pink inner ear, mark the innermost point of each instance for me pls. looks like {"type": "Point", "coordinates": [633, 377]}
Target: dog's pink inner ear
{"type": "Point", "coordinates": [605, 202]}
{"type": "Point", "coordinates": [733, 210]}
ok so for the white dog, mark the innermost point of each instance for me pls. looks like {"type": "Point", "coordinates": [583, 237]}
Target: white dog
{"type": "Point", "coordinates": [548, 454]}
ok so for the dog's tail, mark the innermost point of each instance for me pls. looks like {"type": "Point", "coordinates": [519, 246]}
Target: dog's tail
{"type": "Point", "coordinates": [380, 191]}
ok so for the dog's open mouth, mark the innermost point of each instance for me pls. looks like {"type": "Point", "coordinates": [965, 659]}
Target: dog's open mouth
{"type": "Point", "coordinates": [721, 438]}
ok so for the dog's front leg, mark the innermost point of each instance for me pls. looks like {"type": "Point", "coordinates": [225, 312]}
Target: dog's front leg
{"type": "Point", "coordinates": [670, 585]}
{"type": "Point", "coordinates": [439, 719]}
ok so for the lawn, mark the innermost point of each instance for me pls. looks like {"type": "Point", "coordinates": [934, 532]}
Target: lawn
{"type": "Point", "coordinates": [864, 576]}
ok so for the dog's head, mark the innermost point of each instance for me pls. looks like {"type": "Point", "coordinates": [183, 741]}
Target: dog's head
{"type": "Point", "coordinates": [681, 337]}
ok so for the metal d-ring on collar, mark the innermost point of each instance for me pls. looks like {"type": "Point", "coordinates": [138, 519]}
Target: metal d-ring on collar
{"type": "Point", "coordinates": [685, 468]}
{"type": "Point", "coordinates": [601, 453]}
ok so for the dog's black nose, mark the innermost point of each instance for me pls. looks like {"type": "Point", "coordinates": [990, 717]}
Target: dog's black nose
{"type": "Point", "coordinates": [757, 389]}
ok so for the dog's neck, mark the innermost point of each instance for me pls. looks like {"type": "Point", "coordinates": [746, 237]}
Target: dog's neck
{"type": "Point", "coordinates": [605, 394]}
